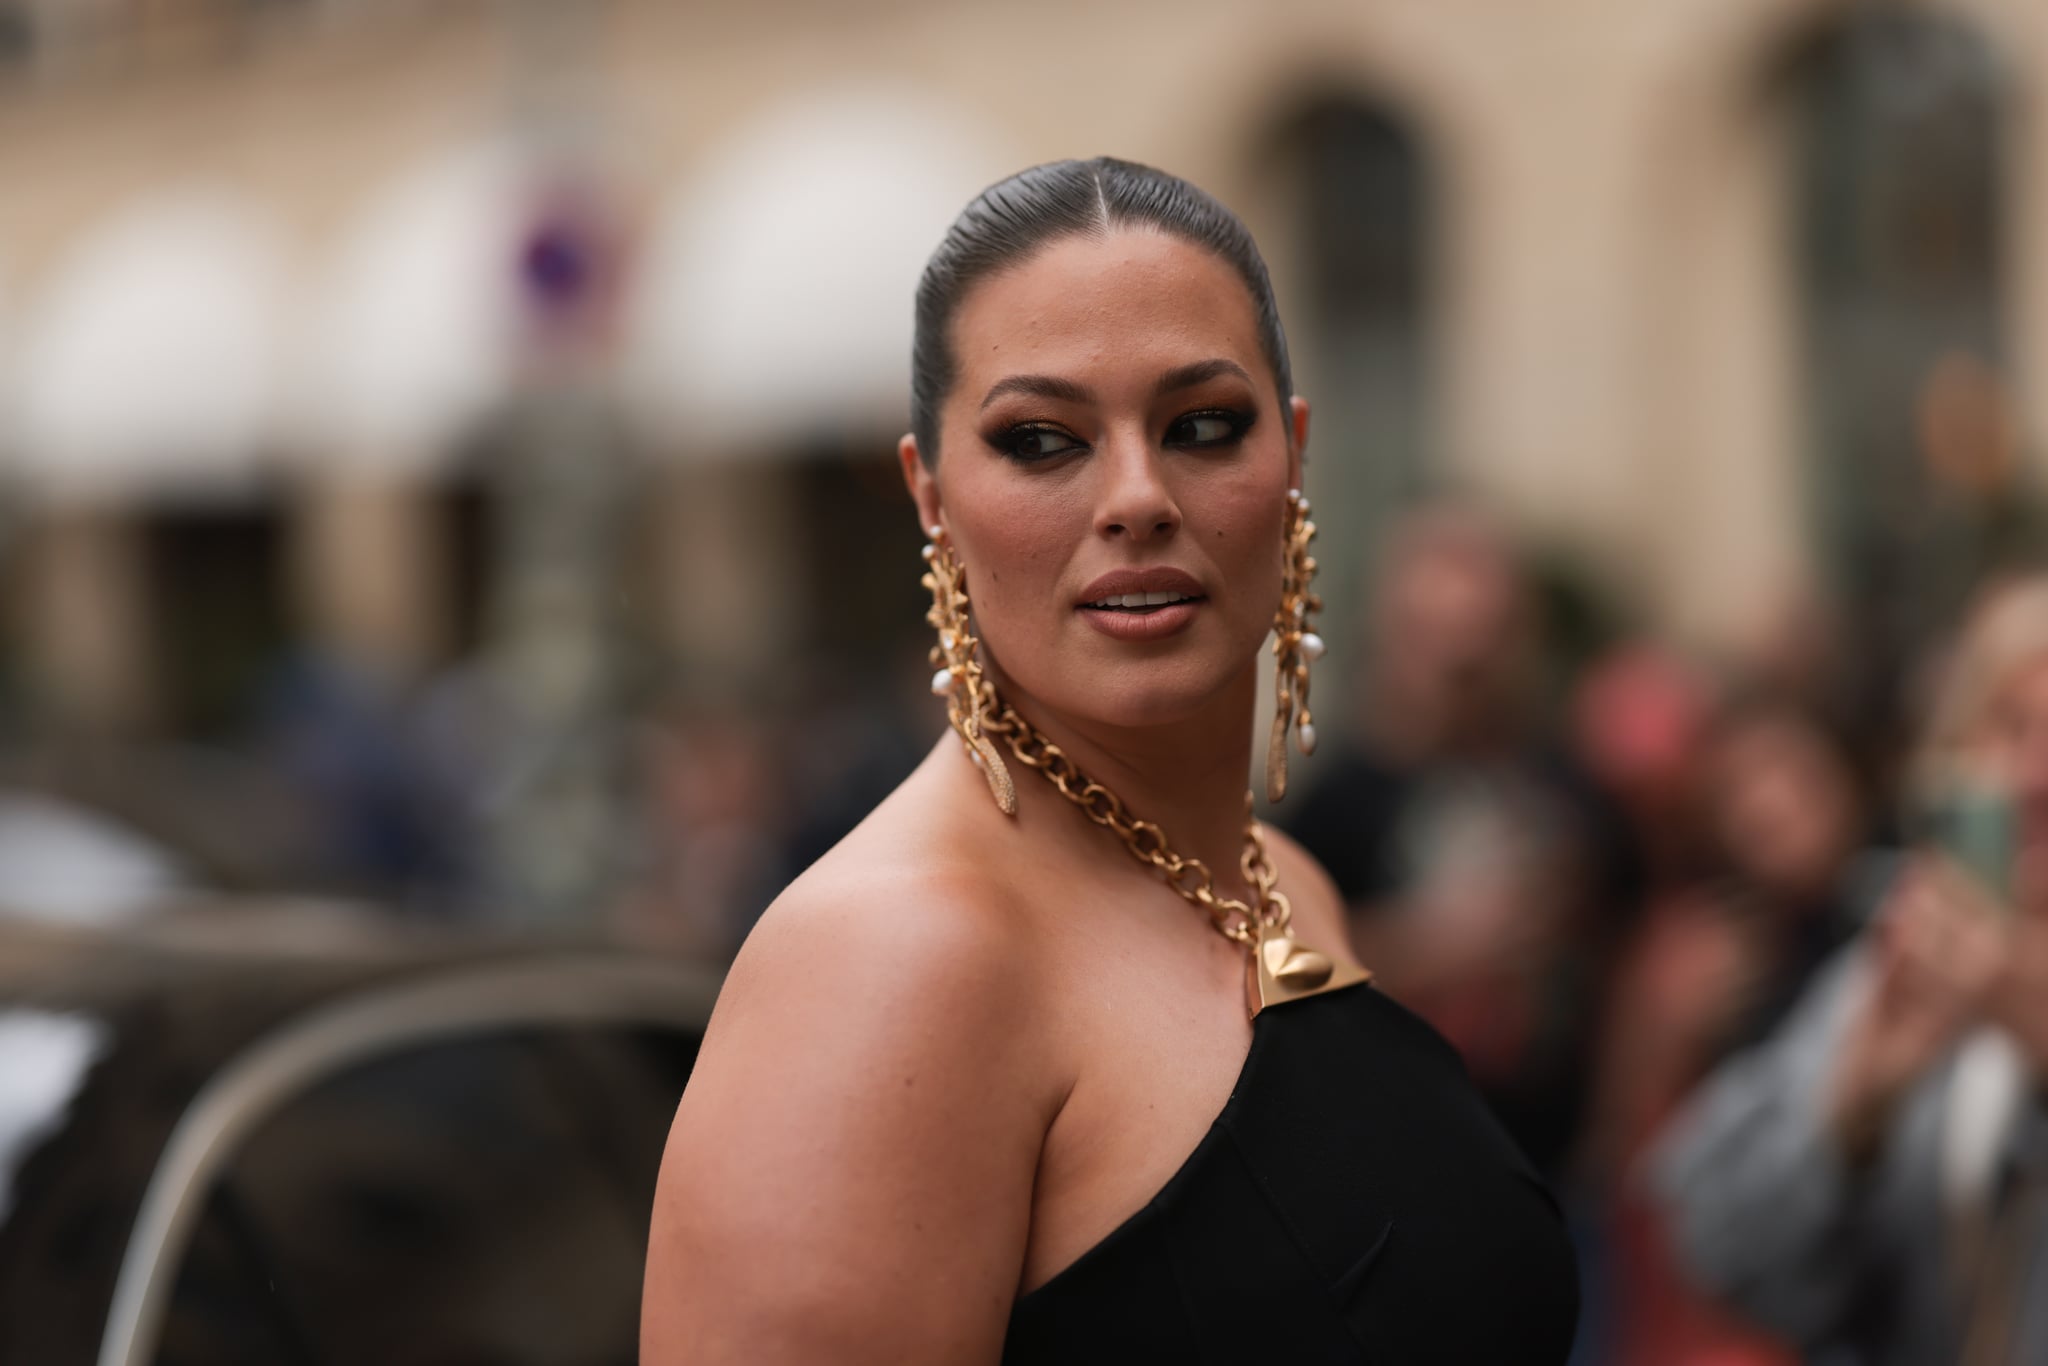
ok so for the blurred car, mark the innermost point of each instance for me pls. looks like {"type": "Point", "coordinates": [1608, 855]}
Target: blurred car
{"type": "Point", "coordinates": [283, 1135]}
{"type": "Point", "coordinates": [64, 862]}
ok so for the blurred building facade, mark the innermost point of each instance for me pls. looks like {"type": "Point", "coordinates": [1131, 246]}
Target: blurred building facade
{"type": "Point", "coordinates": [281, 281]}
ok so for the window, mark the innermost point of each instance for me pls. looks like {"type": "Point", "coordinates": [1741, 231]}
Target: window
{"type": "Point", "coordinates": [1361, 201]}
{"type": "Point", "coordinates": [17, 35]}
{"type": "Point", "coordinates": [1897, 117]}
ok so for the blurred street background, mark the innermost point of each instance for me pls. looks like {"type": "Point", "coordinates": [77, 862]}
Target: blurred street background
{"type": "Point", "coordinates": [446, 463]}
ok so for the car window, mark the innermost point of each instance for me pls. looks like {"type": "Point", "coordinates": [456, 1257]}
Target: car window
{"type": "Point", "coordinates": [482, 1202]}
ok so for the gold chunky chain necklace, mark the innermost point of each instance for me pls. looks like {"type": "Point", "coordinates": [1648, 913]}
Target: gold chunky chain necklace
{"type": "Point", "coordinates": [1278, 966]}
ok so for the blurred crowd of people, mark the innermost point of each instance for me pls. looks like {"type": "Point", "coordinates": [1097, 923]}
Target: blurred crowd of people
{"type": "Point", "coordinates": [1759, 982]}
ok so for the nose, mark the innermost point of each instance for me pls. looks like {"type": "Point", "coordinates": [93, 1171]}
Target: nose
{"type": "Point", "coordinates": [1136, 500]}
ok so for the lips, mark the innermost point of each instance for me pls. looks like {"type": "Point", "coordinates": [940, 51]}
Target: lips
{"type": "Point", "coordinates": [1130, 590]}
{"type": "Point", "coordinates": [1141, 604]}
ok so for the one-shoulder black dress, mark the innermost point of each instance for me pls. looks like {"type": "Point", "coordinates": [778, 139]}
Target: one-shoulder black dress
{"type": "Point", "coordinates": [1355, 1202]}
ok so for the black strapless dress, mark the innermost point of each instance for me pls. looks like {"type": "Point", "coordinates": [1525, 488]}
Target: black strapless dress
{"type": "Point", "coordinates": [1354, 1202]}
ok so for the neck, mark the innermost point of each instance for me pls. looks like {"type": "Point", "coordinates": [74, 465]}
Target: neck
{"type": "Point", "coordinates": [1187, 777]}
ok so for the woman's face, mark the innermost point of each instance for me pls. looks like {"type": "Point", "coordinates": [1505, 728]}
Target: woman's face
{"type": "Point", "coordinates": [2017, 749]}
{"type": "Point", "coordinates": [1113, 474]}
{"type": "Point", "coordinates": [1782, 804]}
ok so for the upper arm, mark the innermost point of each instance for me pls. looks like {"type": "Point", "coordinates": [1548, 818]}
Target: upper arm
{"type": "Point", "coordinates": [849, 1175]}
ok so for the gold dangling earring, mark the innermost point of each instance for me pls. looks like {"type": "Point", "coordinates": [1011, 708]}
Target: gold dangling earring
{"type": "Point", "coordinates": [1295, 646]}
{"type": "Point", "coordinates": [970, 697]}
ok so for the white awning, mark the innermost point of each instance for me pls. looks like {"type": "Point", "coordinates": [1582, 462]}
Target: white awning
{"type": "Point", "coordinates": [773, 300]}
{"type": "Point", "coordinates": [412, 329]}
{"type": "Point", "coordinates": [153, 357]}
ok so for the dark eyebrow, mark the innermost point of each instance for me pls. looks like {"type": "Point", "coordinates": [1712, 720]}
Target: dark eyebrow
{"type": "Point", "coordinates": [1045, 386]}
{"type": "Point", "coordinates": [1188, 376]}
{"type": "Point", "coordinates": [1052, 386]}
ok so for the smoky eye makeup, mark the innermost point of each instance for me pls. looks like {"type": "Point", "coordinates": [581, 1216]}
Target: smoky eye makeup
{"type": "Point", "coordinates": [1211, 428]}
{"type": "Point", "coordinates": [1032, 443]}
{"type": "Point", "coordinates": [1038, 441]}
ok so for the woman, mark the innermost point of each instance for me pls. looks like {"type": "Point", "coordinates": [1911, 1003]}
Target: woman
{"type": "Point", "coordinates": [1872, 1179]}
{"type": "Point", "coordinates": [960, 1099]}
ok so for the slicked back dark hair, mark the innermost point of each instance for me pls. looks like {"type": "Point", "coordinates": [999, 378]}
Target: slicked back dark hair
{"type": "Point", "coordinates": [1013, 219]}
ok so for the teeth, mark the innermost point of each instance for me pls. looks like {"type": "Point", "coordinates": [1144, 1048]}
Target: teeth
{"type": "Point", "coordinates": [1141, 600]}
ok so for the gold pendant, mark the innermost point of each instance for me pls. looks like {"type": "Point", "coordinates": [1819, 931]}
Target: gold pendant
{"type": "Point", "coordinates": [1276, 759]}
{"type": "Point", "coordinates": [1282, 968]}
{"type": "Point", "coordinates": [996, 771]}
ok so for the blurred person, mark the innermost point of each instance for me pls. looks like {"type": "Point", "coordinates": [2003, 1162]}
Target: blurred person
{"type": "Point", "coordinates": [1480, 868]}
{"type": "Point", "coordinates": [1639, 716]}
{"type": "Point", "coordinates": [715, 822]}
{"type": "Point", "coordinates": [343, 735]}
{"type": "Point", "coordinates": [854, 745]}
{"type": "Point", "coordinates": [1716, 964]}
{"type": "Point", "coordinates": [1787, 865]}
{"type": "Point", "coordinates": [959, 1101]}
{"type": "Point", "coordinates": [1872, 1179]}
{"type": "Point", "coordinates": [1794, 646]}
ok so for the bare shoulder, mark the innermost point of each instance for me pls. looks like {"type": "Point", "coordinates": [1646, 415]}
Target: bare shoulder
{"type": "Point", "coordinates": [849, 1175]}
{"type": "Point", "coordinates": [1318, 906]}
{"type": "Point", "coordinates": [865, 917]}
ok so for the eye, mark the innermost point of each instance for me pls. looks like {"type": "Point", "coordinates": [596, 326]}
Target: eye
{"type": "Point", "coordinates": [1034, 441]}
{"type": "Point", "coordinates": [1210, 427]}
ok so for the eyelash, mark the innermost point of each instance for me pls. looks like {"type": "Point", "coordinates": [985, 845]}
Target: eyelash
{"type": "Point", "coordinates": [1009, 441]}
{"type": "Point", "coordinates": [1239, 420]}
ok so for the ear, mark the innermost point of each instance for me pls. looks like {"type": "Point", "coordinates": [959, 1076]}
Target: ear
{"type": "Point", "coordinates": [1297, 447]}
{"type": "Point", "coordinates": [922, 483]}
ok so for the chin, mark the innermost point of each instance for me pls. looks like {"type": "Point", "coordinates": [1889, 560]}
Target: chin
{"type": "Point", "coordinates": [1137, 694]}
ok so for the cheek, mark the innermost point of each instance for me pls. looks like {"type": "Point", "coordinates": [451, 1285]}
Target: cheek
{"type": "Point", "coordinates": [1242, 537]}
{"type": "Point", "coordinates": [1013, 542]}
